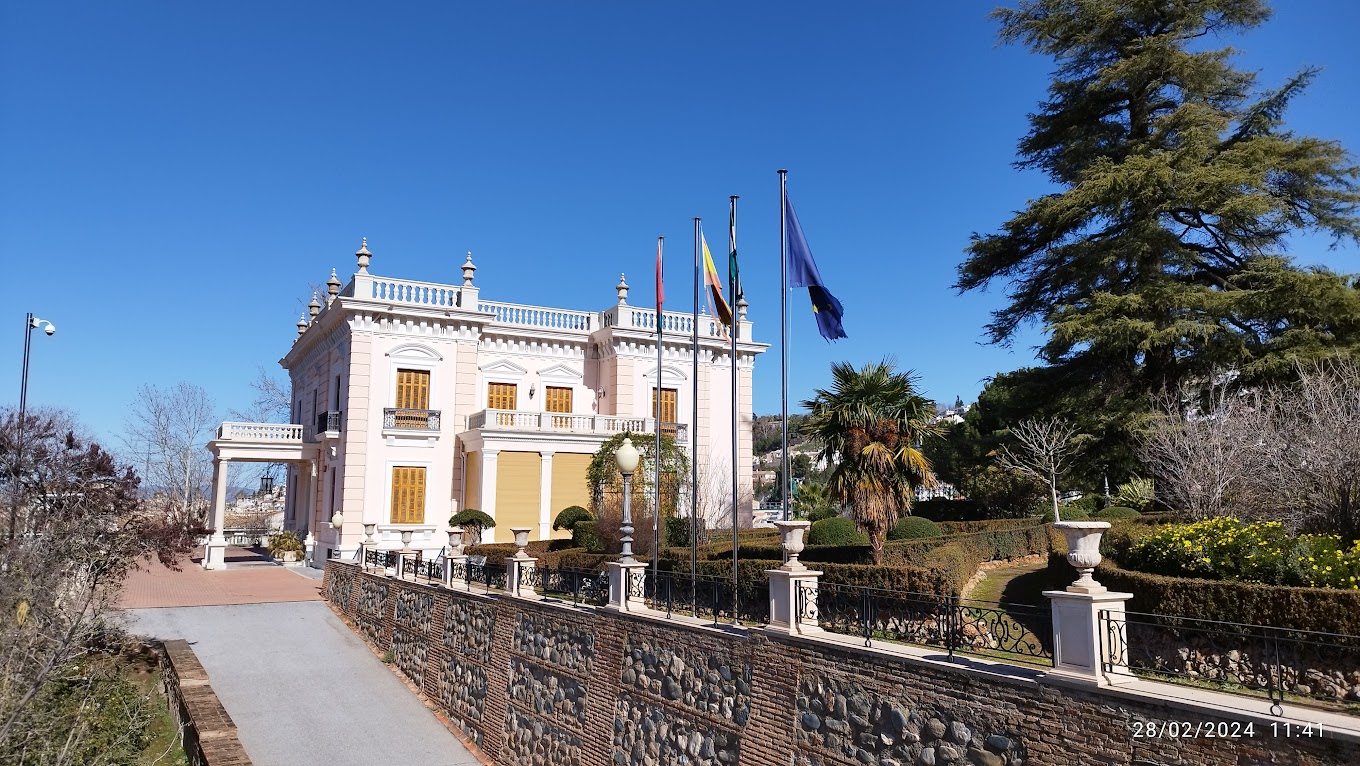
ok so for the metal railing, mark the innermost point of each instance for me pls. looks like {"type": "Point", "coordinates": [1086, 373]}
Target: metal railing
{"type": "Point", "coordinates": [704, 596]}
{"type": "Point", "coordinates": [487, 575]}
{"type": "Point", "coordinates": [328, 422]}
{"type": "Point", "coordinates": [1017, 632]}
{"type": "Point", "coordinates": [580, 586]}
{"type": "Point", "coordinates": [1282, 664]}
{"type": "Point", "coordinates": [418, 420]}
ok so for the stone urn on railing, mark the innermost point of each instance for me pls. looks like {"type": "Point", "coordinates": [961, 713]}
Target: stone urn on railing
{"type": "Point", "coordinates": [521, 541]}
{"type": "Point", "coordinates": [455, 541]}
{"type": "Point", "coordinates": [406, 541]}
{"type": "Point", "coordinates": [791, 533]}
{"type": "Point", "coordinates": [1083, 552]}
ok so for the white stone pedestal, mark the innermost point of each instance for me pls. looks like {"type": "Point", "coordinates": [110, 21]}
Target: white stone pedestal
{"type": "Point", "coordinates": [215, 552]}
{"type": "Point", "coordinates": [449, 563]}
{"type": "Point", "coordinates": [784, 589]}
{"type": "Point", "coordinates": [1080, 651]}
{"type": "Point", "coordinates": [620, 575]}
{"type": "Point", "coordinates": [517, 571]}
{"type": "Point", "coordinates": [401, 557]}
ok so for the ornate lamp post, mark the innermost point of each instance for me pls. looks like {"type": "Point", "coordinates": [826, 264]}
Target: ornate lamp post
{"type": "Point", "coordinates": [626, 456]}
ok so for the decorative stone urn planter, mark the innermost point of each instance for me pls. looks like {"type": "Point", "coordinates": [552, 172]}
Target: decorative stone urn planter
{"type": "Point", "coordinates": [1083, 552]}
{"type": "Point", "coordinates": [369, 529]}
{"type": "Point", "coordinates": [521, 541]}
{"type": "Point", "coordinates": [455, 541]}
{"type": "Point", "coordinates": [406, 540]}
{"type": "Point", "coordinates": [288, 557]}
{"type": "Point", "coordinates": [792, 534]}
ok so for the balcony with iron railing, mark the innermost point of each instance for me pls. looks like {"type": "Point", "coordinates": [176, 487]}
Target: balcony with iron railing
{"type": "Point", "coordinates": [559, 422]}
{"type": "Point", "coordinates": [402, 419]}
{"type": "Point", "coordinates": [328, 423]}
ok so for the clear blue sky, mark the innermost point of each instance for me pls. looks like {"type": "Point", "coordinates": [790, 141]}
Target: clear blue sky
{"type": "Point", "coordinates": [173, 175]}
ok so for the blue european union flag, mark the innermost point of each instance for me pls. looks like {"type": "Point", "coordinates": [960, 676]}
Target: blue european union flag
{"type": "Point", "coordinates": [803, 273]}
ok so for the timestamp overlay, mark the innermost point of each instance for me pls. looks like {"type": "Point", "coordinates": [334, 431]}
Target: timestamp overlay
{"type": "Point", "coordinates": [1225, 730]}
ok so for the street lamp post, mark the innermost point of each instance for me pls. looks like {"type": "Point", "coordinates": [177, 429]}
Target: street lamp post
{"type": "Point", "coordinates": [30, 323]}
{"type": "Point", "coordinates": [627, 458]}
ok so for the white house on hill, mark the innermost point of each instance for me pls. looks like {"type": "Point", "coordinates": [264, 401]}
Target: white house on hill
{"type": "Point", "coordinates": [413, 400]}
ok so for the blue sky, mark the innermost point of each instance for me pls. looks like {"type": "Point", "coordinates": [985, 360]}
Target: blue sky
{"type": "Point", "coordinates": [173, 176]}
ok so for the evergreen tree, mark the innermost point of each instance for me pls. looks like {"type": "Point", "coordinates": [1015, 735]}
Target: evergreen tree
{"type": "Point", "coordinates": [1161, 256]}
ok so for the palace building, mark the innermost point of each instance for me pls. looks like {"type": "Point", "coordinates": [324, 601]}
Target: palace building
{"type": "Point", "coordinates": [414, 400]}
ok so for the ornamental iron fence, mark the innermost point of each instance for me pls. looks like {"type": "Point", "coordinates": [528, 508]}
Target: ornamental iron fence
{"type": "Point", "coordinates": [1014, 632]}
{"type": "Point", "coordinates": [1282, 664]}
{"type": "Point", "coordinates": [672, 592]}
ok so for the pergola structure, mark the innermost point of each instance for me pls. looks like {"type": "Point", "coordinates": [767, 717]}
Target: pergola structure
{"type": "Point", "coordinates": [256, 443]}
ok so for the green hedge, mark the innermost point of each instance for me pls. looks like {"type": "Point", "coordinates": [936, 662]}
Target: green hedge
{"type": "Point", "coordinates": [1329, 610]}
{"type": "Point", "coordinates": [986, 525]}
{"type": "Point", "coordinates": [1117, 513]}
{"type": "Point", "coordinates": [837, 531]}
{"type": "Point", "coordinates": [914, 528]}
{"type": "Point", "coordinates": [583, 536]}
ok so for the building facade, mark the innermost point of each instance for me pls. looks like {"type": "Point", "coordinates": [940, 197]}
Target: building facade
{"type": "Point", "coordinates": [414, 400]}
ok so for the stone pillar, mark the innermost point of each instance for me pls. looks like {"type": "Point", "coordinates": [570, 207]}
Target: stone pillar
{"type": "Point", "coordinates": [625, 578]}
{"type": "Point", "coordinates": [453, 555]}
{"type": "Point", "coordinates": [793, 587]}
{"type": "Point", "coordinates": [545, 509]}
{"type": "Point", "coordinates": [1088, 618]}
{"type": "Point", "coordinates": [490, 458]}
{"type": "Point", "coordinates": [519, 568]}
{"type": "Point", "coordinates": [215, 550]}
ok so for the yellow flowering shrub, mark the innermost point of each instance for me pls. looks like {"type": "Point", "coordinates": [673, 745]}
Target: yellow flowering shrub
{"type": "Point", "coordinates": [1227, 548]}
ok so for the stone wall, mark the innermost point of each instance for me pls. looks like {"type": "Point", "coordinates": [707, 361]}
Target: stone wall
{"type": "Point", "coordinates": [208, 731]}
{"type": "Point", "coordinates": [540, 682]}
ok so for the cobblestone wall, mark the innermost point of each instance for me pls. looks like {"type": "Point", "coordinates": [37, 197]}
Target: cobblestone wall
{"type": "Point", "coordinates": [540, 683]}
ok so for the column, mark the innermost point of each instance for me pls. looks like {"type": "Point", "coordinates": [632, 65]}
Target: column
{"type": "Point", "coordinates": [545, 509]}
{"type": "Point", "coordinates": [488, 499]}
{"type": "Point", "coordinates": [215, 551]}
{"type": "Point", "coordinates": [305, 482]}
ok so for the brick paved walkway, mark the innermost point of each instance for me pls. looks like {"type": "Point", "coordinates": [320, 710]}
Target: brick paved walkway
{"type": "Point", "coordinates": [248, 579]}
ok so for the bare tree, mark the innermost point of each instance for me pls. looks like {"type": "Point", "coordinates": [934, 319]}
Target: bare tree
{"type": "Point", "coordinates": [271, 403]}
{"type": "Point", "coordinates": [84, 528]}
{"type": "Point", "coordinates": [166, 432]}
{"type": "Point", "coordinates": [1313, 449]}
{"type": "Point", "coordinates": [715, 495]}
{"type": "Point", "coordinates": [1044, 449]}
{"type": "Point", "coordinates": [1206, 453]}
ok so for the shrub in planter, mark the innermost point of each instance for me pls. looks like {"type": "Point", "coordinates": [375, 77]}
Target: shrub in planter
{"type": "Point", "coordinates": [473, 522]}
{"type": "Point", "coordinates": [284, 542]}
{"type": "Point", "coordinates": [567, 517]}
{"type": "Point", "coordinates": [836, 531]}
{"type": "Point", "coordinates": [914, 528]}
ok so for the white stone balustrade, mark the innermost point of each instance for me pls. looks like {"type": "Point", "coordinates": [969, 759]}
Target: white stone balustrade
{"type": "Point", "coordinates": [408, 292]}
{"type": "Point", "coordinates": [260, 432]}
{"type": "Point", "coordinates": [522, 420]}
{"type": "Point", "coordinates": [519, 315]}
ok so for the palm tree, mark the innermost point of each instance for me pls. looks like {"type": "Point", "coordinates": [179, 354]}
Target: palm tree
{"type": "Point", "coordinates": [870, 424]}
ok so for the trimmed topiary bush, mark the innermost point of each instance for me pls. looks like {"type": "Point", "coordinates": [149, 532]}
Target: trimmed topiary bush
{"type": "Point", "coordinates": [1069, 512]}
{"type": "Point", "coordinates": [914, 528]}
{"type": "Point", "coordinates": [583, 536]}
{"type": "Point", "coordinates": [1117, 513]}
{"type": "Point", "coordinates": [473, 523]}
{"type": "Point", "coordinates": [836, 531]}
{"type": "Point", "coordinates": [822, 513]}
{"type": "Point", "coordinates": [567, 517]}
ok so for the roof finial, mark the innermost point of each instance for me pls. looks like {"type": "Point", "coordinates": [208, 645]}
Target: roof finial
{"type": "Point", "coordinates": [363, 255]}
{"type": "Point", "coordinates": [469, 268]}
{"type": "Point", "coordinates": [332, 287]}
{"type": "Point", "coordinates": [314, 307]}
{"type": "Point", "coordinates": [741, 308]}
{"type": "Point", "coordinates": [622, 287]}
{"type": "Point", "coordinates": [302, 324]}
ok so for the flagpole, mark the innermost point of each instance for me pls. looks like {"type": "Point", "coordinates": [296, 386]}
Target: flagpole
{"type": "Point", "coordinates": [656, 489]}
{"type": "Point", "coordinates": [736, 397]}
{"type": "Point", "coordinates": [694, 443]}
{"type": "Point", "coordinates": [784, 346]}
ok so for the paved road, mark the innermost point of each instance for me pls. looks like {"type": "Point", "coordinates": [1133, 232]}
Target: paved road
{"type": "Point", "coordinates": [303, 689]}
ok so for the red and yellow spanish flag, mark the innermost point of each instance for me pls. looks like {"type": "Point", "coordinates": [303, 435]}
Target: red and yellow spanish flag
{"type": "Point", "coordinates": [716, 303]}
